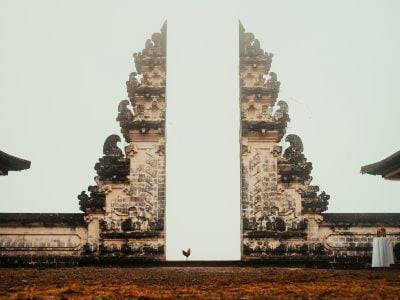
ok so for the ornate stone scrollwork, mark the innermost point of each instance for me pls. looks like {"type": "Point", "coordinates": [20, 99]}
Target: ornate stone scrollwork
{"type": "Point", "coordinates": [129, 199]}
{"type": "Point", "coordinates": [314, 202]}
{"type": "Point", "coordinates": [273, 85]}
{"type": "Point", "coordinates": [161, 149]}
{"type": "Point", "coordinates": [110, 147]}
{"type": "Point", "coordinates": [294, 165]}
{"type": "Point", "coordinates": [124, 113]}
{"type": "Point", "coordinates": [125, 118]}
{"type": "Point", "coordinates": [275, 187]}
{"type": "Point", "coordinates": [131, 150]}
{"type": "Point", "coordinates": [276, 151]}
{"type": "Point", "coordinates": [249, 45]}
{"type": "Point", "coordinates": [94, 202]}
{"type": "Point", "coordinates": [154, 52]}
{"type": "Point", "coordinates": [113, 166]}
{"type": "Point", "coordinates": [282, 113]}
{"type": "Point", "coordinates": [132, 84]}
{"type": "Point", "coordinates": [294, 153]}
{"type": "Point", "coordinates": [250, 50]}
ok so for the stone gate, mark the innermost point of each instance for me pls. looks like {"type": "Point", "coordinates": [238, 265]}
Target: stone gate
{"type": "Point", "coordinates": [282, 213]}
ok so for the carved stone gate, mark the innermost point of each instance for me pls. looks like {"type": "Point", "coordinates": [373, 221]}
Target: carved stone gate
{"type": "Point", "coordinates": [282, 214]}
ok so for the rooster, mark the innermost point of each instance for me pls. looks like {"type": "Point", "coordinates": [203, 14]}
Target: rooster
{"type": "Point", "coordinates": [186, 253]}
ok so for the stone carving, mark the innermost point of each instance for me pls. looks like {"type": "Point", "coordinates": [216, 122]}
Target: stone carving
{"type": "Point", "coordinates": [94, 202]}
{"type": "Point", "coordinates": [137, 249]}
{"type": "Point", "coordinates": [125, 210]}
{"type": "Point", "coordinates": [294, 165]}
{"type": "Point", "coordinates": [295, 150]}
{"type": "Point", "coordinates": [276, 151]}
{"type": "Point", "coordinates": [125, 117]}
{"type": "Point", "coordinates": [124, 114]}
{"type": "Point", "coordinates": [250, 49]}
{"type": "Point", "coordinates": [315, 203]}
{"type": "Point", "coordinates": [282, 113]}
{"type": "Point", "coordinates": [110, 147]}
{"type": "Point", "coordinates": [112, 166]}
{"type": "Point", "coordinates": [276, 191]}
{"type": "Point", "coordinates": [132, 84]}
{"type": "Point", "coordinates": [145, 187]}
{"type": "Point", "coordinates": [154, 52]}
{"type": "Point", "coordinates": [259, 90]}
{"type": "Point", "coordinates": [40, 242]}
{"type": "Point", "coordinates": [273, 85]}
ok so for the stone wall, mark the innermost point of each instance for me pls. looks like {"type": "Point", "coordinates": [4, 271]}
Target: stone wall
{"type": "Point", "coordinates": [329, 237]}
{"type": "Point", "coordinates": [54, 235]}
{"type": "Point", "coordinates": [350, 235]}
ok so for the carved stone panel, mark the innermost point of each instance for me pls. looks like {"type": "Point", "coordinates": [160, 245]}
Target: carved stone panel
{"type": "Point", "coordinates": [259, 187]}
{"type": "Point", "coordinates": [147, 184]}
{"type": "Point", "coordinates": [42, 242]}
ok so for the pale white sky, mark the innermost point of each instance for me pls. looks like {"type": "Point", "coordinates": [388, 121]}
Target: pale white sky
{"type": "Point", "coordinates": [63, 67]}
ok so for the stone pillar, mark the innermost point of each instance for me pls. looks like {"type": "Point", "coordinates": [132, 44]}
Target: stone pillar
{"type": "Point", "coordinates": [147, 177]}
{"type": "Point", "coordinates": [93, 221]}
{"type": "Point", "coordinates": [313, 221]}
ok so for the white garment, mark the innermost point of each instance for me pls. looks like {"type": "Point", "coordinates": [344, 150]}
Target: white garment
{"type": "Point", "coordinates": [382, 252]}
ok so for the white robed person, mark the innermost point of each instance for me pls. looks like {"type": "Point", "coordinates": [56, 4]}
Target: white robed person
{"type": "Point", "coordinates": [382, 250]}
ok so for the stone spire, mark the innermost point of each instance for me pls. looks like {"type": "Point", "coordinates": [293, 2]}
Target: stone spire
{"type": "Point", "coordinates": [125, 210]}
{"type": "Point", "coordinates": [259, 88]}
{"type": "Point", "coordinates": [146, 88]}
{"type": "Point", "coordinates": [276, 193]}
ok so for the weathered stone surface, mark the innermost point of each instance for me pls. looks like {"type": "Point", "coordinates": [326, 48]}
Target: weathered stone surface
{"type": "Point", "coordinates": [59, 239]}
{"type": "Point", "coordinates": [281, 210]}
{"type": "Point", "coordinates": [276, 190]}
{"type": "Point", "coordinates": [282, 213]}
{"type": "Point", "coordinates": [42, 219]}
{"type": "Point", "coordinates": [41, 234]}
{"type": "Point", "coordinates": [361, 219]}
{"type": "Point", "coordinates": [125, 210]}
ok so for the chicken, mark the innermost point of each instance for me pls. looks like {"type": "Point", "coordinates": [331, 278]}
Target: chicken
{"type": "Point", "coordinates": [186, 253]}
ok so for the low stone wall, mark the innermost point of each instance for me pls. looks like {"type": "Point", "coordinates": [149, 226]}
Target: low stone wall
{"type": "Point", "coordinates": [327, 238]}
{"type": "Point", "coordinates": [42, 235]}
{"type": "Point", "coordinates": [331, 237]}
{"type": "Point", "coordinates": [29, 238]}
{"type": "Point", "coordinates": [138, 245]}
{"type": "Point", "coordinates": [350, 235]}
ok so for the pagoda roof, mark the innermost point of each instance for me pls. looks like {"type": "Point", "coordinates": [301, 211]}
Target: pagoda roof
{"type": "Point", "coordinates": [12, 163]}
{"type": "Point", "coordinates": [388, 168]}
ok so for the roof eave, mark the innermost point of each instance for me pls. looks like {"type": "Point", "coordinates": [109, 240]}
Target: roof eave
{"type": "Point", "coordinates": [12, 163]}
{"type": "Point", "coordinates": [383, 167]}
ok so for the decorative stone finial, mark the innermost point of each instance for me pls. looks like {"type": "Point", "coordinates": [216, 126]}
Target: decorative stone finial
{"type": "Point", "coordinates": [295, 148]}
{"type": "Point", "coordinates": [110, 147]}
{"type": "Point", "coordinates": [113, 166]}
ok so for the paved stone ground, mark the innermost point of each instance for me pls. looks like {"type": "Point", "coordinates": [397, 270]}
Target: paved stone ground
{"type": "Point", "coordinates": [197, 282]}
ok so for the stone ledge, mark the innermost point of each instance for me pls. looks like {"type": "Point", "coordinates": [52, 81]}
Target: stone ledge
{"type": "Point", "coordinates": [42, 220]}
{"type": "Point", "coordinates": [131, 234]}
{"type": "Point", "coordinates": [361, 219]}
{"type": "Point", "coordinates": [276, 234]}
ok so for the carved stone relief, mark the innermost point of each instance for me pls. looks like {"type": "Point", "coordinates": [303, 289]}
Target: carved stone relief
{"type": "Point", "coordinates": [276, 187]}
